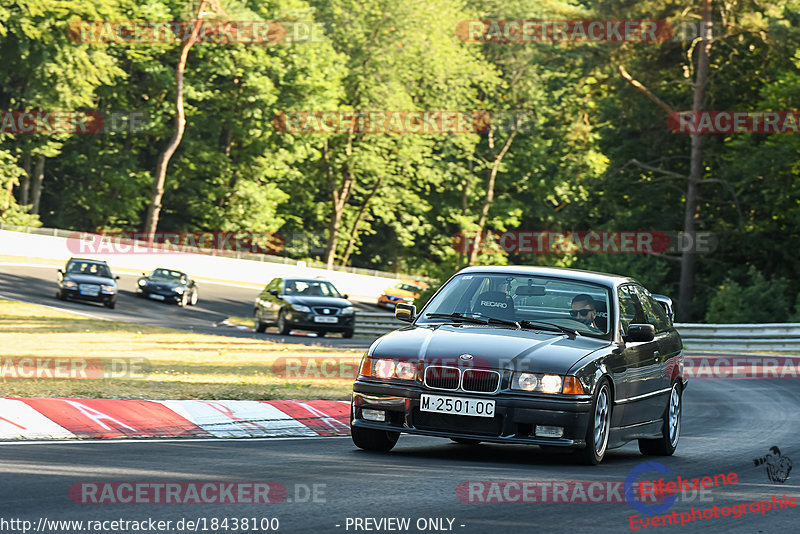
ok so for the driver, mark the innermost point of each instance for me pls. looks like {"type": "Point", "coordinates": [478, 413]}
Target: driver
{"type": "Point", "coordinates": [584, 310]}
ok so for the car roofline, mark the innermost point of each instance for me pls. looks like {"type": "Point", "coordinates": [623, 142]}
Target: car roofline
{"type": "Point", "coordinates": [605, 279]}
{"type": "Point", "coordinates": [88, 260]}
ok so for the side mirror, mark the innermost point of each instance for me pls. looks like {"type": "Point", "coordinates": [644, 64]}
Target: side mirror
{"type": "Point", "coordinates": [60, 271]}
{"type": "Point", "coordinates": [666, 303]}
{"type": "Point", "coordinates": [274, 292]}
{"type": "Point", "coordinates": [345, 296]}
{"type": "Point", "coordinates": [641, 333]}
{"type": "Point", "coordinates": [405, 312]}
{"type": "Point", "coordinates": [116, 278]}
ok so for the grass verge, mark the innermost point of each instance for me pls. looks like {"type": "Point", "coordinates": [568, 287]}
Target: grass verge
{"type": "Point", "coordinates": [172, 364]}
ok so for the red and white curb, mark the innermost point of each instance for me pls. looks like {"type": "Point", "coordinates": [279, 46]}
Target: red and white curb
{"type": "Point", "coordinates": [46, 418]}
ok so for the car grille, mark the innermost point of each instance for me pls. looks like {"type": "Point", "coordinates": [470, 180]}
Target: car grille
{"type": "Point", "coordinates": [473, 380]}
{"type": "Point", "coordinates": [480, 381]}
{"type": "Point", "coordinates": [457, 423]}
{"type": "Point", "coordinates": [326, 311]}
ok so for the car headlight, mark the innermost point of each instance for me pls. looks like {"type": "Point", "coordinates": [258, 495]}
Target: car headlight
{"type": "Point", "coordinates": [142, 282]}
{"type": "Point", "coordinates": [108, 289]}
{"type": "Point", "coordinates": [301, 308]}
{"type": "Point", "coordinates": [409, 300]}
{"type": "Point", "coordinates": [550, 384]}
{"type": "Point", "coordinates": [527, 381]}
{"type": "Point", "coordinates": [70, 284]}
{"type": "Point", "coordinates": [386, 368]}
{"type": "Point", "coordinates": [179, 290]}
{"type": "Point", "coordinates": [348, 310]}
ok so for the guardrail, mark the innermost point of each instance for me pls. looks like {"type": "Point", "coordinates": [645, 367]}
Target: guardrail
{"type": "Point", "coordinates": [772, 337]}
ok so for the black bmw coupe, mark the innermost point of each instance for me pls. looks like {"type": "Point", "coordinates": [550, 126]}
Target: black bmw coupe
{"type": "Point", "coordinates": [168, 285]}
{"type": "Point", "coordinates": [527, 355]}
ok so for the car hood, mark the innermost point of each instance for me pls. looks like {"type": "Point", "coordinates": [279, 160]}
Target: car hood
{"type": "Point", "coordinates": [490, 347]}
{"type": "Point", "coordinates": [90, 279]}
{"type": "Point", "coordinates": [164, 283]}
{"type": "Point", "coordinates": [317, 301]}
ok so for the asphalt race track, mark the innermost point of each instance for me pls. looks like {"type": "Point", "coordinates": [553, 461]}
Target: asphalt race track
{"type": "Point", "coordinates": [217, 302]}
{"type": "Point", "coordinates": [726, 424]}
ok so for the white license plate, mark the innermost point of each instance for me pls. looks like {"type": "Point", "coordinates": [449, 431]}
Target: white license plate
{"type": "Point", "coordinates": [92, 291]}
{"type": "Point", "coordinates": [156, 297]}
{"type": "Point", "coordinates": [456, 405]}
{"type": "Point", "coordinates": [322, 319]}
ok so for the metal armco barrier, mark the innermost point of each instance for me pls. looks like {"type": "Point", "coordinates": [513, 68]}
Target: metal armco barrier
{"type": "Point", "coordinates": [375, 324]}
{"type": "Point", "coordinates": [772, 337]}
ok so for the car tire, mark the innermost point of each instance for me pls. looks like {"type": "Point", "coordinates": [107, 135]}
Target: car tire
{"type": "Point", "coordinates": [261, 326]}
{"type": "Point", "coordinates": [183, 301]}
{"type": "Point", "coordinates": [60, 295]}
{"type": "Point", "coordinates": [465, 441]}
{"type": "Point", "coordinates": [347, 333]}
{"type": "Point", "coordinates": [194, 299]}
{"type": "Point", "coordinates": [111, 305]}
{"type": "Point", "coordinates": [599, 426]}
{"type": "Point", "coordinates": [670, 428]}
{"type": "Point", "coordinates": [321, 334]}
{"type": "Point", "coordinates": [370, 439]}
{"type": "Point", "coordinates": [283, 326]}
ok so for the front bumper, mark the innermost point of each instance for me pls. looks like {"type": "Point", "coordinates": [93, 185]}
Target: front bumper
{"type": "Point", "coordinates": [515, 420]}
{"type": "Point", "coordinates": [75, 294]}
{"type": "Point", "coordinates": [169, 295]}
{"type": "Point", "coordinates": [305, 321]}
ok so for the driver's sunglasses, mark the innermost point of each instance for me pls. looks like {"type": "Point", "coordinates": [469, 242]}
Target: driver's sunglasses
{"type": "Point", "coordinates": [583, 313]}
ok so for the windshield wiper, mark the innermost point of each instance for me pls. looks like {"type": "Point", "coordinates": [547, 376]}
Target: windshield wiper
{"type": "Point", "coordinates": [481, 319]}
{"type": "Point", "coordinates": [553, 327]}
{"type": "Point", "coordinates": [456, 316]}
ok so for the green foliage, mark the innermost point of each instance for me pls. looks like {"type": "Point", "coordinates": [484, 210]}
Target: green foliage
{"type": "Point", "coordinates": [757, 300]}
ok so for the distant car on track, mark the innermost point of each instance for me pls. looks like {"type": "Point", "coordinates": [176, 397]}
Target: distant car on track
{"type": "Point", "coordinates": [90, 280]}
{"type": "Point", "coordinates": [168, 285]}
{"type": "Point", "coordinates": [304, 304]}
{"type": "Point", "coordinates": [527, 355]}
{"type": "Point", "coordinates": [405, 292]}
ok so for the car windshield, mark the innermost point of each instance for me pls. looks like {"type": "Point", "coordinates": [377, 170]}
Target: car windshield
{"type": "Point", "coordinates": [531, 301]}
{"type": "Point", "coordinates": [409, 287]}
{"type": "Point", "coordinates": [310, 288]}
{"type": "Point", "coordinates": [167, 274]}
{"type": "Point", "coordinates": [90, 268]}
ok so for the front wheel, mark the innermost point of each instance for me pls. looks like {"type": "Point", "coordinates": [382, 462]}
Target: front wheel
{"type": "Point", "coordinates": [283, 326]}
{"type": "Point", "coordinates": [599, 425]}
{"type": "Point", "coordinates": [670, 428]}
{"type": "Point", "coordinates": [195, 297]}
{"type": "Point", "coordinates": [183, 301]}
{"type": "Point", "coordinates": [370, 439]}
{"type": "Point", "coordinates": [111, 304]}
{"type": "Point", "coordinates": [347, 333]}
{"type": "Point", "coordinates": [261, 326]}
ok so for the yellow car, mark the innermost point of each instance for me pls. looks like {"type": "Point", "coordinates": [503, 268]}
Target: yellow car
{"type": "Point", "coordinates": [402, 292]}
